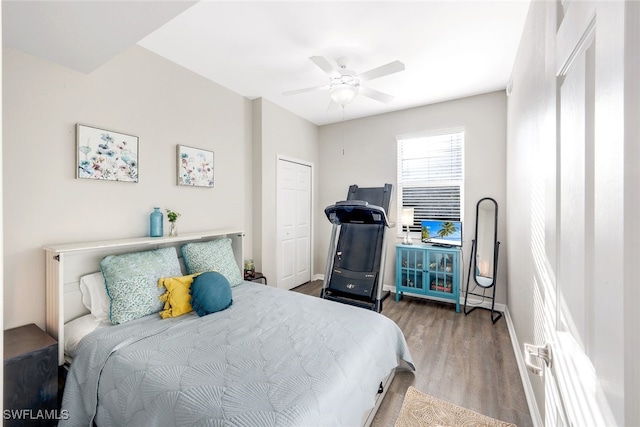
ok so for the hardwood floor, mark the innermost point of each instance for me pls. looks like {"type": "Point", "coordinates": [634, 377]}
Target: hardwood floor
{"type": "Point", "coordinates": [466, 360]}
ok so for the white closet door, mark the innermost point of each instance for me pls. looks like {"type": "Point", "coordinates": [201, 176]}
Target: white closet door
{"type": "Point", "coordinates": [294, 224]}
{"type": "Point", "coordinates": [581, 323]}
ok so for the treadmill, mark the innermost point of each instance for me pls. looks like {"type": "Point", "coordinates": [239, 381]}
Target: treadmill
{"type": "Point", "coordinates": [355, 264]}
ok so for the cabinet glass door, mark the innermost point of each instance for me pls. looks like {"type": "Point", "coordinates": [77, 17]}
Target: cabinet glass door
{"type": "Point", "coordinates": [441, 270]}
{"type": "Point", "coordinates": [412, 265]}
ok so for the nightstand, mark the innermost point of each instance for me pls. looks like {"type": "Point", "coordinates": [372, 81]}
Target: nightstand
{"type": "Point", "coordinates": [30, 375]}
{"type": "Point", "coordinates": [256, 276]}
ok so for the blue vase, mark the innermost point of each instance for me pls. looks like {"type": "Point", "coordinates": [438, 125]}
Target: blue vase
{"type": "Point", "coordinates": [155, 223]}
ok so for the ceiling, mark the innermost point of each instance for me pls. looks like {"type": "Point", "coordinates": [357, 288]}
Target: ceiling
{"type": "Point", "coordinates": [450, 49]}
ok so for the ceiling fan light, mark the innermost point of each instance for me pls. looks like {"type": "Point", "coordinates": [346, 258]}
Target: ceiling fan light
{"type": "Point", "coordinates": [343, 94]}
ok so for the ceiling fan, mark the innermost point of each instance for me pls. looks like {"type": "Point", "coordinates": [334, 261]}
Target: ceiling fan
{"type": "Point", "coordinates": [344, 85]}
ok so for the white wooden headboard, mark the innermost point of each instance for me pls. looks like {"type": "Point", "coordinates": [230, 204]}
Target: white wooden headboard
{"type": "Point", "coordinates": [66, 263]}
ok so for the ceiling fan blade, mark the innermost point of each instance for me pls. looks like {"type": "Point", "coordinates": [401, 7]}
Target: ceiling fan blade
{"type": "Point", "coordinates": [390, 68]}
{"type": "Point", "coordinates": [307, 89]}
{"type": "Point", "coordinates": [325, 65]}
{"type": "Point", "coordinates": [374, 94]}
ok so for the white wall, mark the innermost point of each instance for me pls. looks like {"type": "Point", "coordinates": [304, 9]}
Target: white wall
{"type": "Point", "coordinates": [138, 93]}
{"type": "Point", "coordinates": [277, 132]}
{"type": "Point", "coordinates": [531, 182]}
{"type": "Point", "coordinates": [534, 210]}
{"type": "Point", "coordinates": [632, 207]}
{"type": "Point", "coordinates": [1, 231]}
{"type": "Point", "coordinates": [364, 152]}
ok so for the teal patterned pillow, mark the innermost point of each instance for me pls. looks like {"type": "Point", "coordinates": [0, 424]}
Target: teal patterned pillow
{"type": "Point", "coordinates": [216, 255]}
{"type": "Point", "coordinates": [132, 282]}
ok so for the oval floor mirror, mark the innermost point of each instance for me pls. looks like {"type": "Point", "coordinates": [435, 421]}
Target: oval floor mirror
{"type": "Point", "coordinates": [483, 263]}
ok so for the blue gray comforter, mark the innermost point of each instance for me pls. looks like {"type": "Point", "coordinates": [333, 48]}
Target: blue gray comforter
{"type": "Point", "coordinates": [274, 358]}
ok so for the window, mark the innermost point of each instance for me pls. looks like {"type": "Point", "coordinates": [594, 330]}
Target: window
{"type": "Point", "coordinates": [430, 176]}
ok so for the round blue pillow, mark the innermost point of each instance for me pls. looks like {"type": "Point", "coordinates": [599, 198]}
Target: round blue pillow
{"type": "Point", "coordinates": [210, 292]}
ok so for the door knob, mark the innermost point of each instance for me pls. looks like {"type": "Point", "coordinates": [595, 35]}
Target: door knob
{"type": "Point", "coordinates": [541, 352]}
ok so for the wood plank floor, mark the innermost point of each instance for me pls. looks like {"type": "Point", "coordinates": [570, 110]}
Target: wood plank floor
{"type": "Point", "coordinates": [465, 360]}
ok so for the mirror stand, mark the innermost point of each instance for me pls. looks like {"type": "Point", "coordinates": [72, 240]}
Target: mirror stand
{"type": "Point", "coordinates": [484, 257]}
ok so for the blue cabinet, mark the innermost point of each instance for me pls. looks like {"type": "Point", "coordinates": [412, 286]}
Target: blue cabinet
{"type": "Point", "coordinates": [428, 270]}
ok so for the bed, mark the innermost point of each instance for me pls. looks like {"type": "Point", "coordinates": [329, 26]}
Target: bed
{"type": "Point", "coordinates": [273, 357]}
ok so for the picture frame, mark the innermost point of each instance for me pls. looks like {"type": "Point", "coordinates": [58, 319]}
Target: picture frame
{"type": "Point", "coordinates": [106, 155]}
{"type": "Point", "coordinates": [195, 166]}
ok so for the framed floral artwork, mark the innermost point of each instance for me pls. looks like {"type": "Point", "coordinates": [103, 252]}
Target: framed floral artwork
{"type": "Point", "coordinates": [195, 167]}
{"type": "Point", "coordinates": [106, 155]}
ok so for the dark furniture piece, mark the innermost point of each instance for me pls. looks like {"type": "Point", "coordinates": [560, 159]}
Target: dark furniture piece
{"type": "Point", "coordinates": [356, 260]}
{"type": "Point", "coordinates": [30, 377]}
{"type": "Point", "coordinates": [256, 276]}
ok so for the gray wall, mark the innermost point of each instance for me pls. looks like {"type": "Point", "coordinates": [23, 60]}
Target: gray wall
{"type": "Point", "coordinates": [364, 152]}
{"type": "Point", "coordinates": [531, 137]}
{"type": "Point", "coordinates": [539, 204]}
{"type": "Point", "coordinates": [142, 94]}
{"type": "Point", "coordinates": [138, 93]}
{"type": "Point", "coordinates": [277, 132]}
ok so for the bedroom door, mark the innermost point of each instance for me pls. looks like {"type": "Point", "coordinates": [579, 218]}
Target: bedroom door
{"type": "Point", "coordinates": [581, 324]}
{"type": "Point", "coordinates": [293, 223]}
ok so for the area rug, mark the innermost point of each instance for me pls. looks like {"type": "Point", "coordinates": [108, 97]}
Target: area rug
{"type": "Point", "coordinates": [421, 410]}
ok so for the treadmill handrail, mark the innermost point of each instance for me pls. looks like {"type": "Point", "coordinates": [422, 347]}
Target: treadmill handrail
{"type": "Point", "coordinates": [353, 203]}
{"type": "Point", "coordinates": [357, 212]}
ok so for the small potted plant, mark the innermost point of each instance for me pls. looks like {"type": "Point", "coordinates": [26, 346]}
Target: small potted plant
{"type": "Point", "coordinates": [173, 217]}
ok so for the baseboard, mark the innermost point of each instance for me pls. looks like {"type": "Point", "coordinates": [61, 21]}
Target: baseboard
{"type": "Point", "coordinates": [524, 376]}
{"type": "Point", "coordinates": [471, 302]}
{"type": "Point", "coordinates": [474, 302]}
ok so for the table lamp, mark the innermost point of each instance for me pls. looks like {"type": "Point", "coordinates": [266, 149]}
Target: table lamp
{"type": "Point", "coordinates": [406, 219]}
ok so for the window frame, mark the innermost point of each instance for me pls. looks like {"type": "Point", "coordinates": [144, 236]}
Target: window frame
{"type": "Point", "coordinates": [415, 230]}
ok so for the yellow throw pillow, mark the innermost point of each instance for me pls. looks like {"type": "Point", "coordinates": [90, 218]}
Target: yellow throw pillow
{"type": "Point", "coordinates": [177, 300]}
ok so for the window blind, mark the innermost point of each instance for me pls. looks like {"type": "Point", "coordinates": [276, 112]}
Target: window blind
{"type": "Point", "coordinates": [430, 176]}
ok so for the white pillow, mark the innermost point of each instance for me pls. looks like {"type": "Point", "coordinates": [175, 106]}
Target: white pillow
{"type": "Point", "coordinates": [75, 330]}
{"type": "Point", "coordinates": [94, 295]}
